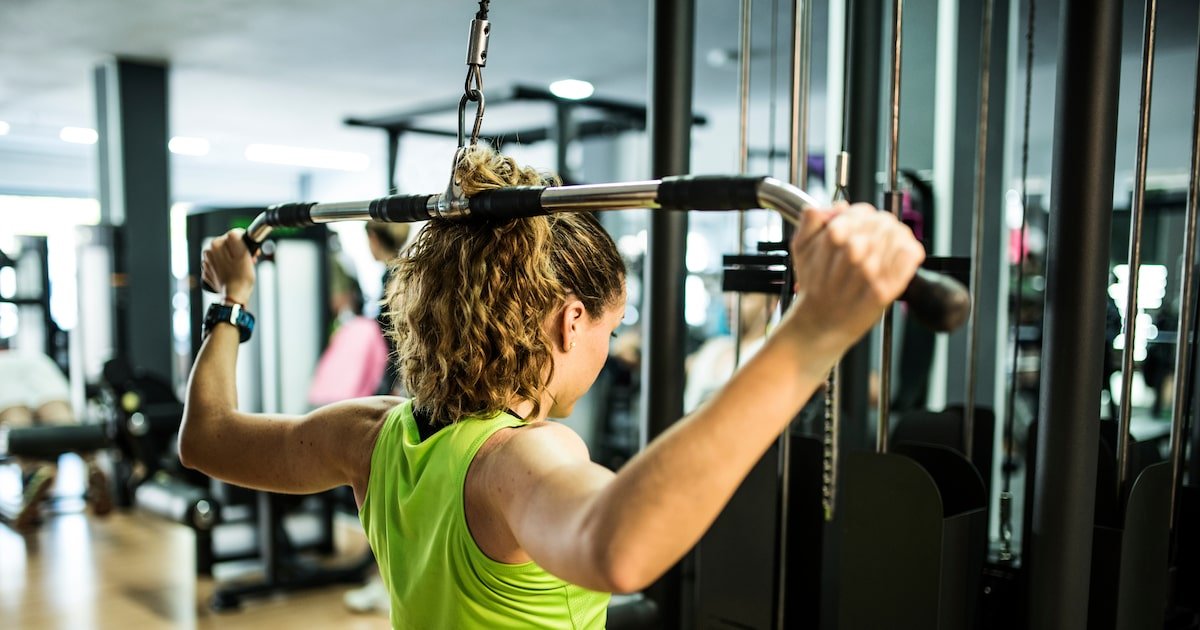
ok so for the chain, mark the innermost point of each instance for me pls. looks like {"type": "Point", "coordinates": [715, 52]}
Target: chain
{"type": "Point", "coordinates": [830, 452]}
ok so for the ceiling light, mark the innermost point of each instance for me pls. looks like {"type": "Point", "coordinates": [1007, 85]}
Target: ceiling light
{"type": "Point", "coordinates": [314, 158]}
{"type": "Point", "coordinates": [188, 146]}
{"type": "Point", "coordinates": [720, 57]}
{"type": "Point", "coordinates": [78, 135]}
{"type": "Point", "coordinates": [572, 89]}
{"type": "Point", "coordinates": [4, 127]}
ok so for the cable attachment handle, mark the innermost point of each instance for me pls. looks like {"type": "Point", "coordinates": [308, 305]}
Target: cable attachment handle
{"type": "Point", "coordinates": [453, 202]}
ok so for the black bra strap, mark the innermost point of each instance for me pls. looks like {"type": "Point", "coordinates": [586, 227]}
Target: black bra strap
{"type": "Point", "coordinates": [426, 427]}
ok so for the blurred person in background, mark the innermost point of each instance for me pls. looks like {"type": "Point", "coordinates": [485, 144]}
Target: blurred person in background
{"type": "Point", "coordinates": [34, 392]}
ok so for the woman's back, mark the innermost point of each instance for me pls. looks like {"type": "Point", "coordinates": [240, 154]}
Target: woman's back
{"type": "Point", "coordinates": [437, 575]}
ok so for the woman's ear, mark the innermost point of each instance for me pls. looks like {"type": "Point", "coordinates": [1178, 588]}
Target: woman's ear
{"type": "Point", "coordinates": [570, 320]}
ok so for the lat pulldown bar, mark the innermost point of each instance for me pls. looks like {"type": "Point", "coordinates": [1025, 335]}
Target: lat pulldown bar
{"type": "Point", "coordinates": [939, 302]}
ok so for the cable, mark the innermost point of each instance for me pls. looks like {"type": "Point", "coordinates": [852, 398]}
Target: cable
{"type": "Point", "coordinates": [774, 74]}
{"type": "Point", "coordinates": [1006, 493]}
{"type": "Point", "coordinates": [1012, 391]}
{"type": "Point", "coordinates": [985, 74]}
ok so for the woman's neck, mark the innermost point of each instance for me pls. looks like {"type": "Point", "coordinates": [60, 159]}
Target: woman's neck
{"type": "Point", "coordinates": [524, 408]}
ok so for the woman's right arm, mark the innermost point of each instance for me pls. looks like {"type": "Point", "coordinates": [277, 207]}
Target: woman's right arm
{"type": "Point", "coordinates": [621, 532]}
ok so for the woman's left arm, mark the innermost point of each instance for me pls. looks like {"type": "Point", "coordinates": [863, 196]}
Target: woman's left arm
{"type": "Point", "coordinates": [326, 448]}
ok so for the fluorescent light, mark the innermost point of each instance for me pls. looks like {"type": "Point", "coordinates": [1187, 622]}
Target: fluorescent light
{"type": "Point", "coordinates": [314, 158]}
{"type": "Point", "coordinates": [41, 216]}
{"type": "Point", "coordinates": [188, 146]}
{"type": "Point", "coordinates": [572, 89]}
{"type": "Point", "coordinates": [4, 127]}
{"type": "Point", "coordinates": [78, 135]}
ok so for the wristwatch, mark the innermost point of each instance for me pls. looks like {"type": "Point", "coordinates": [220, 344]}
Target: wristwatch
{"type": "Point", "coordinates": [230, 314]}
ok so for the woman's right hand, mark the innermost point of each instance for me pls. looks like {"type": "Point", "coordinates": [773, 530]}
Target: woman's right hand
{"type": "Point", "coordinates": [850, 263]}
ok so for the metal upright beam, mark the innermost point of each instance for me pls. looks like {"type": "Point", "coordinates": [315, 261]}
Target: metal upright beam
{"type": "Point", "coordinates": [863, 108]}
{"type": "Point", "coordinates": [861, 111]}
{"type": "Point", "coordinates": [393, 158]}
{"type": "Point", "coordinates": [1076, 278]}
{"type": "Point", "coordinates": [565, 133]}
{"type": "Point", "coordinates": [135, 196]}
{"type": "Point", "coordinates": [672, 33]}
{"type": "Point", "coordinates": [1184, 347]}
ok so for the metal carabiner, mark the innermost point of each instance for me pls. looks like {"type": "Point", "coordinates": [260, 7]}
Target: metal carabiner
{"type": "Point", "coordinates": [474, 81]}
{"type": "Point", "coordinates": [481, 103]}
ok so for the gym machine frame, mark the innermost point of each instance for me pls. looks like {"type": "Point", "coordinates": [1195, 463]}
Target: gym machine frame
{"type": "Point", "coordinates": [938, 301]}
{"type": "Point", "coordinates": [922, 569]}
{"type": "Point", "coordinates": [615, 117]}
{"type": "Point", "coordinates": [1131, 540]}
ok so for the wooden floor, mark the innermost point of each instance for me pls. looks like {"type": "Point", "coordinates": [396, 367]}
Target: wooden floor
{"type": "Point", "coordinates": [133, 571]}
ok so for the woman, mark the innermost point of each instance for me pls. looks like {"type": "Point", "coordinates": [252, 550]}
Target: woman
{"type": "Point", "coordinates": [34, 392]}
{"type": "Point", "coordinates": [355, 359]}
{"type": "Point", "coordinates": [480, 511]}
{"type": "Point", "coordinates": [386, 241]}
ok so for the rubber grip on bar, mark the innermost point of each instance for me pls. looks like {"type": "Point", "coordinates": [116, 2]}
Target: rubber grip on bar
{"type": "Point", "coordinates": [709, 192]}
{"type": "Point", "coordinates": [252, 245]}
{"type": "Point", "coordinates": [293, 215]}
{"type": "Point", "coordinates": [401, 208]}
{"type": "Point", "coordinates": [48, 442]}
{"type": "Point", "coordinates": [290, 215]}
{"type": "Point", "coordinates": [938, 301]}
{"type": "Point", "coordinates": [508, 203]}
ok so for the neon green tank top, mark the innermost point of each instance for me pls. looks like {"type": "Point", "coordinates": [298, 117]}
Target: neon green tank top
{"type": "Point", "coordinates": [437, 576]}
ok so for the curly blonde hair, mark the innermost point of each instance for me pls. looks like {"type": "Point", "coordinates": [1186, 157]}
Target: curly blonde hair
{"type": "Point", "coordinates": [469, 301]}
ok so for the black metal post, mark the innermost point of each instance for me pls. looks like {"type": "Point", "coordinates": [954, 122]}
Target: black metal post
{"type": "Point", "coordinates": [672, 32]}
{"type": "Point", "coordinates": [863, 107]}
{"type": "Point", "coordinates": [393, 158]}
{"type": "Point", "coordinates": [131, 115]}
{"type": "Point", "coordinates": [564, 135]}
{"type": "Point", "coordinates": [1060, 545]}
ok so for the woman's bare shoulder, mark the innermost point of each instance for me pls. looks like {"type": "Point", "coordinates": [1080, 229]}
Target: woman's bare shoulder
{"type": "Point", "coordinates": [532, 448]}
{"type": "Point", "coordinates": [371, 409]}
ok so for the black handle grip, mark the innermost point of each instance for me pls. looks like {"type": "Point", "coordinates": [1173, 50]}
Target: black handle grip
{"type": "Point", "coordinates": [296, 215]}
{"type": "Point", "coordinates": [44, 442]}
{"type": "Point", "coordinates": [709, 192]}
{"type": "Point", "coordinates": [508, 203]}
{"type": "Point", "coordinates": [401, 208]}
{"type": "Point", "coordinates": [939, 302]}
{"type": "Point", "coordinates": [252, 245]}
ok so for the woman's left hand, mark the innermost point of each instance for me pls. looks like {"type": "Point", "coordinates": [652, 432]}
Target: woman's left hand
{"type": "Point", "coordinates": [228, 267]}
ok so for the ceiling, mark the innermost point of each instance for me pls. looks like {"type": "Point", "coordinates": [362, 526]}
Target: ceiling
{"type": "Point", "coordinates": [289, 71]}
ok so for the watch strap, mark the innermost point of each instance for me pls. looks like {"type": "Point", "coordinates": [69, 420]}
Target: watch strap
{"type": "Point", "coordinates": [233, 314]}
